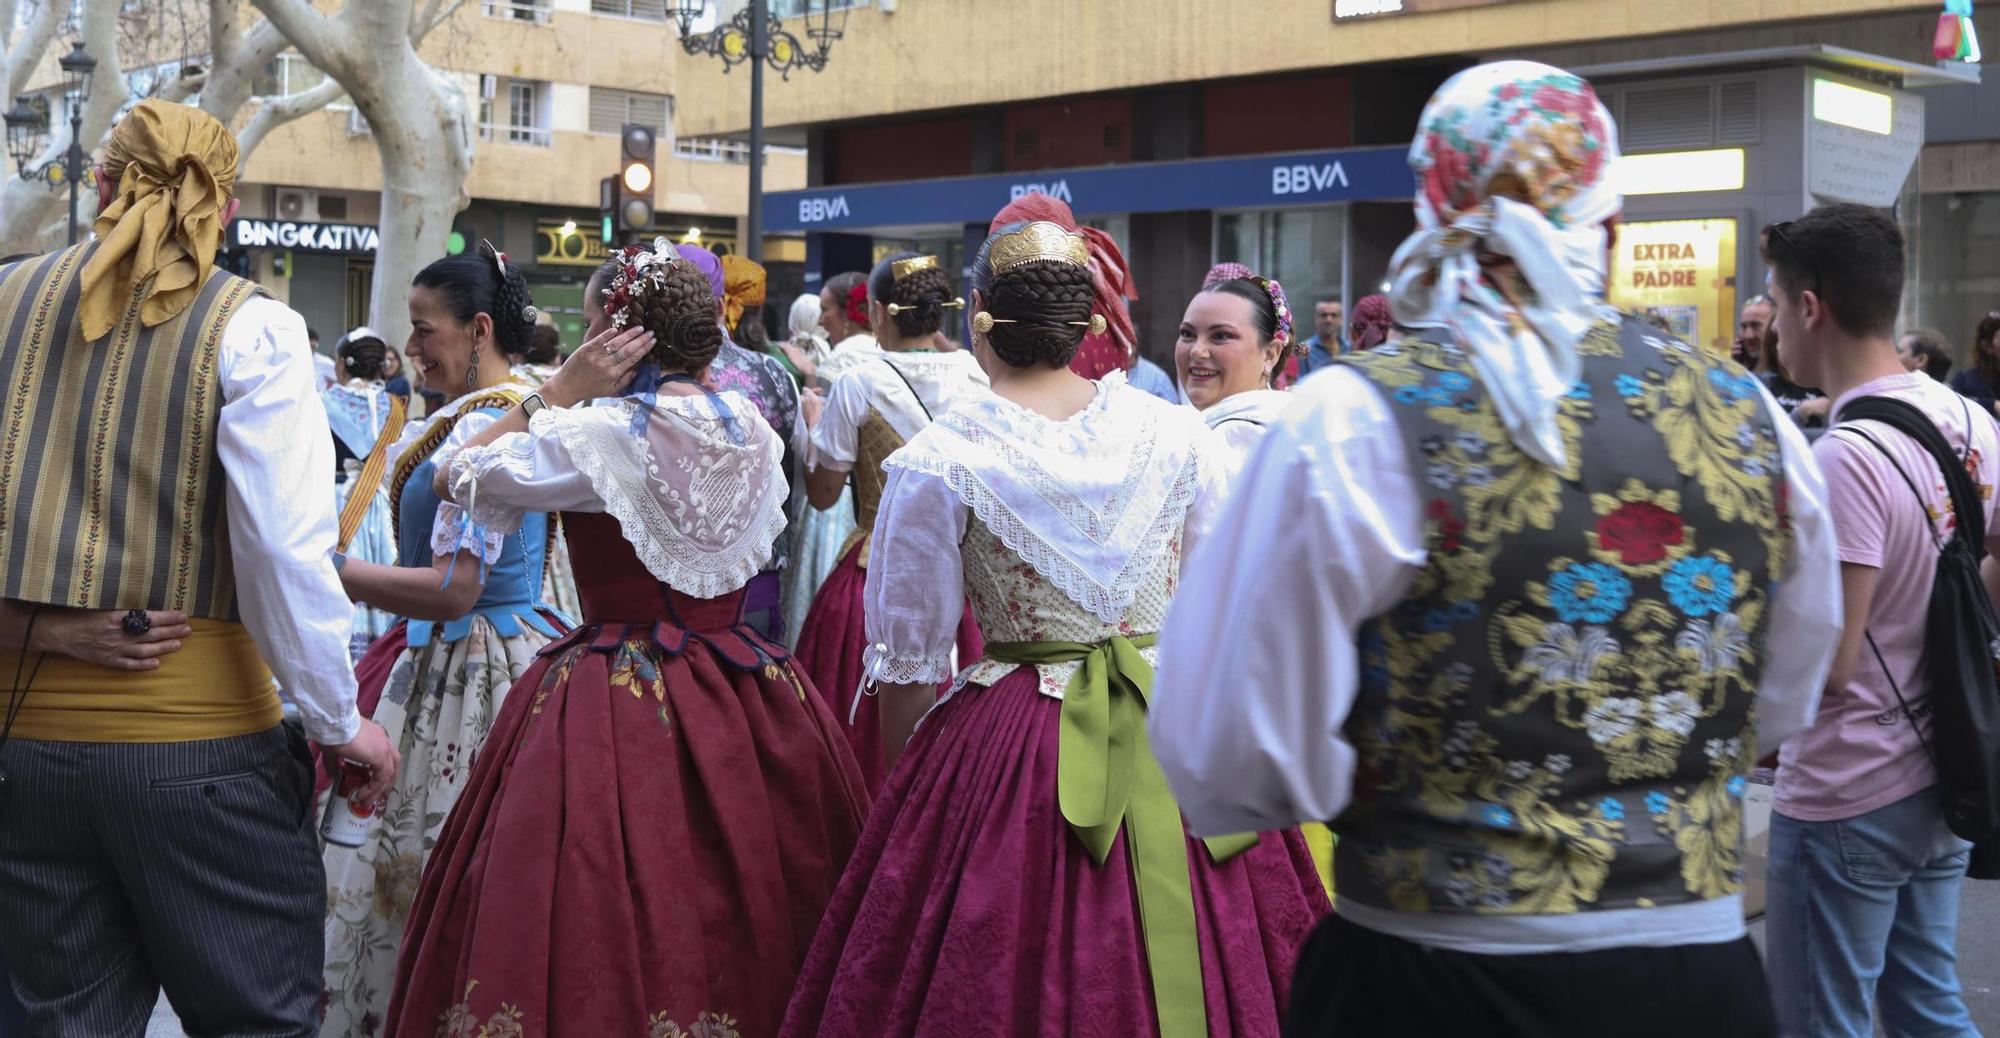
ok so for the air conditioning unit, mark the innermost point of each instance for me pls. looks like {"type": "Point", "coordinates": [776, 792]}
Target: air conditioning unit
{"type": "Point", "coordinates": [297, 204]}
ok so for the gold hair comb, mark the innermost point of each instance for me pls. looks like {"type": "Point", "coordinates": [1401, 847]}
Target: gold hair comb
{"type": "Point", "coordinates": [983, 322]}
{"type": "Point", "coordinates": [1040, 240]}
{"type": "Point", "coordinates": [898, 308]}
{"type": "Point", "coordinates": [903, 268]}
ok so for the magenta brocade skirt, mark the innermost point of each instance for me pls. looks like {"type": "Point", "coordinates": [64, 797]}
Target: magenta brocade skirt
{"type": "Point", "coordinates": [969, 908]}
{"type": "Point", "coordinates": [646, 846]}
{"type": "Point", "coordinates": [830, 646]}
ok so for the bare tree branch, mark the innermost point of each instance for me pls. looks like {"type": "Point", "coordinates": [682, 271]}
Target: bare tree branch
{"type": "Point", "coordinates": [436, 13]}
{"type": "Point", "coordinates": [31, 44]}
{"type": "Point", "coordinates": [278, 111]}
{"type": "Point", "coordinates": [325, 41]}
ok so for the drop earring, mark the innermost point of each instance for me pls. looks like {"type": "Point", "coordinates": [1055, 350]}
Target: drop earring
{"type": "Point", "coordinates": [472, 373]}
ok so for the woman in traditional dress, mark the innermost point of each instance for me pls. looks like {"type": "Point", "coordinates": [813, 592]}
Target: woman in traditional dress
{"type": "Point", "coordinates": [807, 346]}
{"type": "Point", "coordinates": [843, 312]}
{"type": "Point", "coordinates": [664, 808]}
{"type": "Point", "coordinates": [1025, 871]}
{"type": "Point", "coordinates": [366, 420]}
{"type": "Point", "coordinates": [475, 618]}
{"type": "Point", "coordinates": [1233, 341]}
{"type": "Point", "coordinates": [872, 411]}
{"type": "Point", "coordinates": [764, 380]}
{"type": "Point", "coordinates": [821, 535]}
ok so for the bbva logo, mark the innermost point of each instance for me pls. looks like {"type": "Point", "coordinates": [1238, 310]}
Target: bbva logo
{"type": "Point", "coordinates": [820, 210]}
{"type": "Point", "coordinates": [1300, 179]}
{"type": "Point", "coordinates": [1058, 190]}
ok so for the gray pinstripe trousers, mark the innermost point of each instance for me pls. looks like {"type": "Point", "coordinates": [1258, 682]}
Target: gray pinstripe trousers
{"type": "Point", "coordinates": [126, 868]}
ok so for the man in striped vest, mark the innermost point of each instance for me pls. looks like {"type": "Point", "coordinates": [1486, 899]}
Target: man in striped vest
{"type": "Point", "coordinates": [163, 460]}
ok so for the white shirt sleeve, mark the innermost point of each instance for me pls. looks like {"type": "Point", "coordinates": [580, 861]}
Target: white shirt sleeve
{"type": "Point", "coordinates": [836, 439]}
{"type": "Point", "coordinates": [1806, 607]}
{"type": "Point", "coordinates": [277, 454]}
{"type": "Point", "coordinates": [1258, 660]}
{"type": "Point", "coordinates": [915, 595]}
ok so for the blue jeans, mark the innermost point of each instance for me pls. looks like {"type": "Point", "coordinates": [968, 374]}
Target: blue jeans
{"type": "Point", "coordinates": [1862, 907]}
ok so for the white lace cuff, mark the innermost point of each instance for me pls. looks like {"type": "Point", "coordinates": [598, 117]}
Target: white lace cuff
{"type": "Point", "coordinates": [463, 471]}
{"type": "Point", "coordinates": [456, 531]}
{"type": "Point", "coordinates": [893, 668]}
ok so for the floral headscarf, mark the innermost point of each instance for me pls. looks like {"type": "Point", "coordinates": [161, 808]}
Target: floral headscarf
{"type": "Point", "coordinates": [1491, 135]}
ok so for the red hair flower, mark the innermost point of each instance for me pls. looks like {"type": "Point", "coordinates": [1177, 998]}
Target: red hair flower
{"type": "Point", "coordinates": [857, 304]}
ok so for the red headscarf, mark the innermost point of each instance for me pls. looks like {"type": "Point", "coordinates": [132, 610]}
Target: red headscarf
{"type": "Point", "coordinates": [1110, 279]}
{"type": "Point", "coordinates": [1371, 324]}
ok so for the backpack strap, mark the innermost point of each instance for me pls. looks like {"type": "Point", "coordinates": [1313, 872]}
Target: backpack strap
{"type": "Point", "coordinates": [1907, 419]}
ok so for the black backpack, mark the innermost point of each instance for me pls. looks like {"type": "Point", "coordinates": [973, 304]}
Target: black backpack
{"type": "Point", "coordinates": [1961, 641]}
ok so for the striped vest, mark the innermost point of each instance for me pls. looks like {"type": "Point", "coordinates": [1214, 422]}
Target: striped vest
{"type": "Point", "coordinates": [1558, 716]}
{"type": "Point", "coordinates": [111, 491]}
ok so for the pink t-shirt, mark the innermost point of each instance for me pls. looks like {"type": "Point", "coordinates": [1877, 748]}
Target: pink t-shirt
{"type": "Point", "coordinates": [1862, 753]}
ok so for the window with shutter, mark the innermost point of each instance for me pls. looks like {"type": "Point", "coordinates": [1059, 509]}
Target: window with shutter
{"type": "Point", "coordinates": [611, 109]}
{"type": "Point", "coordinates": [650, 10]}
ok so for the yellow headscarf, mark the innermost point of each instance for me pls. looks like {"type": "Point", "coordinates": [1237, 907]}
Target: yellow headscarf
{"type": "Point", "coordinates": [174, 166]}
{"type": "Point", "coordinates": [742, 287]}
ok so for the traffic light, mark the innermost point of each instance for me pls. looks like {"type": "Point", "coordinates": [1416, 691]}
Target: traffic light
{"type": "Point", "coordinates": [635, 178]}
{"type": "Point", "coordinates": [607, 210]}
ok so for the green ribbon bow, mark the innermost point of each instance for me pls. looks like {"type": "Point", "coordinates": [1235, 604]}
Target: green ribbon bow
{"type": "Point", "coordinates": [1106, 777]}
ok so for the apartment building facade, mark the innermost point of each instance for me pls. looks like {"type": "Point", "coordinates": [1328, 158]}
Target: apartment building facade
{"type": "Point", "coordinates": [1275, 134]}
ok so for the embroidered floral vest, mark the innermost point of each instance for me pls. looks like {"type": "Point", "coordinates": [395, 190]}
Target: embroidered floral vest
{"type": "Point", "coordinates": [1559, 715]}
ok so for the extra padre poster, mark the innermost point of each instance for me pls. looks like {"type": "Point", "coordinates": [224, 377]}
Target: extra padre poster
{"type": "Point", "coordinates": [1682, 273]}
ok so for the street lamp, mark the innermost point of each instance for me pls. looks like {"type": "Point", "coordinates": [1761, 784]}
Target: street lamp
{"type": "Point", "coordinates": [28, 127]}
{"type": "Point", "coordinates": [77, 66]}
{"type": "Point", "coordinates": [758, 37]}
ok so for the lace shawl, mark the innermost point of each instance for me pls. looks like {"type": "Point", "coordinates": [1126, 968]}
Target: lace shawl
{"type": "Point", "coordinates": [700, 511]}
{"type": "Point", "coordinates": [1090, 502]}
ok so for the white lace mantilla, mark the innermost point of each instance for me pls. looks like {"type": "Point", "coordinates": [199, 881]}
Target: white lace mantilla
{"type": "Point", "coordinates": [700, 511]}
{"type": "Point", "coordinates": [1090, 502]}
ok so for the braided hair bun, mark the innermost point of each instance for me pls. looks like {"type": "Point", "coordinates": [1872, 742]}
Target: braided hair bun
{"type": "Point", "coordinates": [365, 356]}
{"type": "Point", "coordinates": [920, 296]}
{"type": "Point", "coordinates": [680, 312]}
{"type": "Point", "coordinates": [1049, 304]}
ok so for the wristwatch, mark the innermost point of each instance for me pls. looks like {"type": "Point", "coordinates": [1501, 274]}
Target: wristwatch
{"type": "Point", "coordinates": [532, 403]}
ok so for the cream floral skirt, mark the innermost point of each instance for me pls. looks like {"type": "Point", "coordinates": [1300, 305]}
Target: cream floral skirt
{"type": "Point", "coordinates": [440, 702]}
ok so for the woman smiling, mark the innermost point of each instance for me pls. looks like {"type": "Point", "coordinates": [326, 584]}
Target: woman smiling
{"type": "Point", "coordinates": [1233, 339]}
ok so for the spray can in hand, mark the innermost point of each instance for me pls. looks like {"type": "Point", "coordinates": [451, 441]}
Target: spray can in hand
{"type": "Point", "coordinates": [347, 821]}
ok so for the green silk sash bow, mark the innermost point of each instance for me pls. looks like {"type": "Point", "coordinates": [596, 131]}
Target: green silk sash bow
{"type": "Point", "coordinates": [1106, 777]}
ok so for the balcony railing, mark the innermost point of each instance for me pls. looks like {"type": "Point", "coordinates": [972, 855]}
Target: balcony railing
{"type": "Point", "coordinates": [506, 133]}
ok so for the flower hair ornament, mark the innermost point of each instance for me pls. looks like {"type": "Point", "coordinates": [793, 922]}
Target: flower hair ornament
{"type": "Point", "coordinates": [1283, 337]}
{"type": "Point", "coordinates": [637, 265]}
{"type": "Point", "coordinates": [857, 304]}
